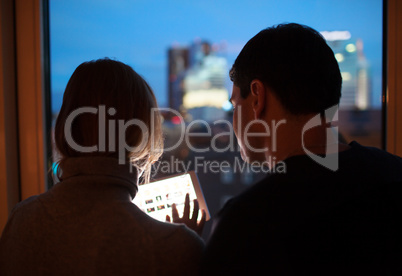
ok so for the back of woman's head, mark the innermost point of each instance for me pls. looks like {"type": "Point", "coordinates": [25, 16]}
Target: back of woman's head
{"type": "Point", "coordinates": [109, 110]}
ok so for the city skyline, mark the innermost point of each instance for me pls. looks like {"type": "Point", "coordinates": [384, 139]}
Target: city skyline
{"type": "Point", "coordinates": [140, 33]}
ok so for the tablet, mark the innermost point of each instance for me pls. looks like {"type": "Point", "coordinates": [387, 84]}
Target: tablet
{"type": "Point", "coordinates": [156, 198]}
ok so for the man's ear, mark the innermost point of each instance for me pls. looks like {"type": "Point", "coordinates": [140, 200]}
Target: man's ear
{"type": "Point", "coordinates": [258, 94]}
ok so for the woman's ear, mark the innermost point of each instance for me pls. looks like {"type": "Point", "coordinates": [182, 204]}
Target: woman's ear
{"type": "Point", "coordinates": [258, 94]}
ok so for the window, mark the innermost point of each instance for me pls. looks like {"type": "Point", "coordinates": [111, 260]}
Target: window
{"type": "Point", "coordinates": [185, 48]}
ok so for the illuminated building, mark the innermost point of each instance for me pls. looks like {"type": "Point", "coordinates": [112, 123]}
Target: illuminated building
{"type": "Point", "coordinates": [197, 78]}
{"type": "Point", "coordinates": [358, 120]}
{"type": "Point", "coordinates": [205, 81]}
{"type": "Point", "coordinates": [356, 87]}
{"type": "Point", "coordinates": [178, 65]}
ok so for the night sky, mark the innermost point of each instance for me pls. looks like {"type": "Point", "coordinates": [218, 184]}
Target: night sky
{"type": "Point", "coordinates": [140, 32]}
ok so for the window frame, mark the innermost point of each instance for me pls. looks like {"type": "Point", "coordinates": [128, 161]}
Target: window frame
{"type": "Point", "coordinates": [392, 94]}
{"type": "Point", "coordinates": [24, 104]}
{"type": "Point", "coordinates": [25, 96]}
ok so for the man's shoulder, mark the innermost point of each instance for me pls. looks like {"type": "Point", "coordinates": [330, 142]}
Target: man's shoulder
{"type": "Point", "coordinates": [253, 202]}
{"type": "Point", "coordinates": [371, 163]}
{"type": "Point", "coordinates": [357, 163]}
{"type": "Point", "coordinates": [375, 152]}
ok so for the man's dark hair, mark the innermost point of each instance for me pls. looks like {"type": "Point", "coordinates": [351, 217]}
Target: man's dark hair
{"type": "Point", "coordinates": [296, 63]}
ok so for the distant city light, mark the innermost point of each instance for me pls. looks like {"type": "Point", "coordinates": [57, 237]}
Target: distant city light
{"type": "Point", "coordinates": [350, 48]}
{"type": "Point", "coordinates": [339, 57]}
{"type": "Point", "coordinates": [176, 120]}
{"type": "Point", "coordinates": [227, 106]}
{"type": "Point", "coordinates": [346, 76]}
{"type": "Point", "coordinates": [336, 35]}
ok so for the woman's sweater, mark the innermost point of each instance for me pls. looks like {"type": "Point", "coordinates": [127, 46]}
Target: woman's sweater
{"type": "Point", "coordinates": [87, 225]}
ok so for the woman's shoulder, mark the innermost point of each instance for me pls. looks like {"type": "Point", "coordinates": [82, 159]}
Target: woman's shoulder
{"type": "Point", "coordinates": [175, 245]}
{"type": "Point", "coordinates": [31, 203]}
{"type": "Point", "coordinates": [166, 231]}
{"type": "Point", "coordinates": [178, 247]}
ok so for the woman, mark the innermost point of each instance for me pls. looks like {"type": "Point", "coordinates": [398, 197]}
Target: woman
{"type": "Point", "coordinates": [108, 134]}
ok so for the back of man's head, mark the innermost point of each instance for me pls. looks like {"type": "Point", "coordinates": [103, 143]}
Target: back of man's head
{"type": "Point", "coordinates": [296, 63]}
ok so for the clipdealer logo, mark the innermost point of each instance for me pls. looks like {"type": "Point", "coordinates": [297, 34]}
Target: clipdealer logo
{"type": "Point", "coordinates": [330, 160]}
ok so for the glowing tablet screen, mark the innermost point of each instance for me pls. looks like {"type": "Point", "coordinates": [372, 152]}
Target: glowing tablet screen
{"type": "Point", "coordinates": [156, 198]}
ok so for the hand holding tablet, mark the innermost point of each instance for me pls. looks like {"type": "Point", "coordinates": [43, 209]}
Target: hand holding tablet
{"type": "Point", "coordinates": [168, 197]}
{"type": "Point", "coordinates": [195, 223]}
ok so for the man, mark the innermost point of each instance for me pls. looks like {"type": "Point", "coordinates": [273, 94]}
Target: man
{"type": "Point", "coordinates": [327, 210]}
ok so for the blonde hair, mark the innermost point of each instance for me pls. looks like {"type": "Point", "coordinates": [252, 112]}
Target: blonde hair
{"type": "Point", "coordinates": [117, 88]}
